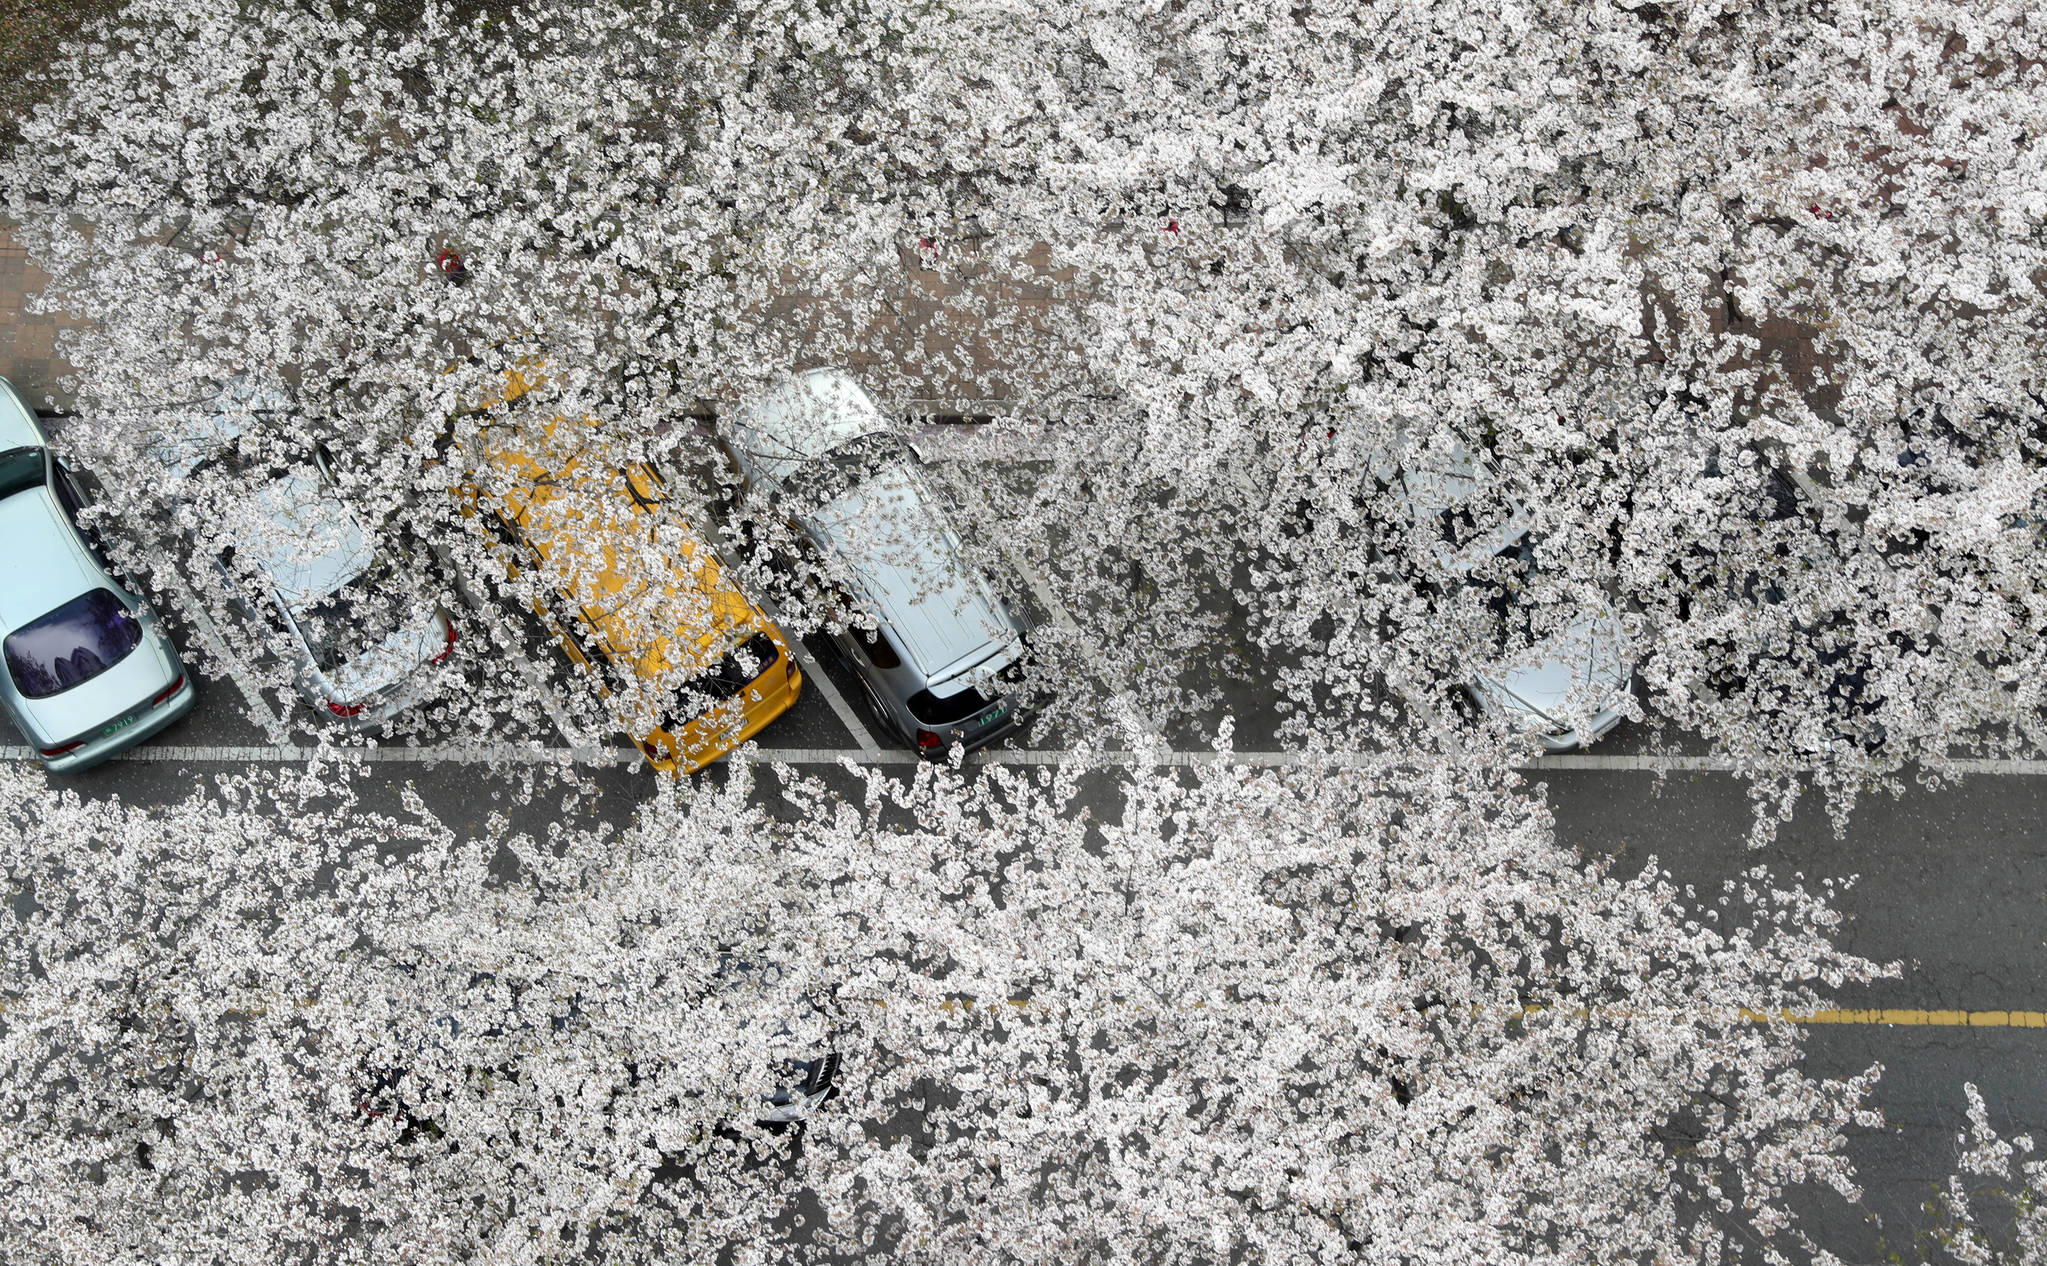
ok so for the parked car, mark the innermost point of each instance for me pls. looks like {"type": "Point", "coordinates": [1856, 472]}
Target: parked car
{"type": "Point", "coordinates": [351, 611]}
{"type": "Point", "coordinates": [938, 654]}
{"type": "Point", "coordinates": [90, 671]}
{"type": "Point", "coordinates": [1482, 536]}
{"type": "Point", "coordinates": [631, 592]}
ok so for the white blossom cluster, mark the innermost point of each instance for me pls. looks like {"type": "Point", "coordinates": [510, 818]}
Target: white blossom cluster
{"type": "Point", "coordinates": [1377, 1016]}
{"type": "Point", "coordinates": [1743, 301]}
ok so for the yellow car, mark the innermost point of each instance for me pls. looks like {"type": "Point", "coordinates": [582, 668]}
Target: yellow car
{"type": "Point", "coordinates": [690, 666]}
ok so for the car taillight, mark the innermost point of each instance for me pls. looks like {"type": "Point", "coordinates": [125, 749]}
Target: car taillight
{"type": "Point", "coordinates": [788, 668]}
{"type": "Point", "coordinates": [344, 709]}
{"type": "Point", "coordinates": [926, 740]}
{"type": "Point", "coordinates": [59, 751]}
{"type": "Point", "coordinates": [450, 650]}
{"type": "Point", "coordinates": [165, 697]}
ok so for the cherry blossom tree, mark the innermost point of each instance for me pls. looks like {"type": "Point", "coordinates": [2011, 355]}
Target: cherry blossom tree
{"type": "Point", "coordinates": [1990, 1171]}
{"type": "Point", "coordinates": [1660, 263]}
{"type": "Point", "coordinates": [1744, 301]}
{"type": "Point", "coordinates": [1345, 1015]}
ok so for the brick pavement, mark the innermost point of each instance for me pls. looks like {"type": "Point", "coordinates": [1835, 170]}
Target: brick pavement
{"type": "Point", "coordinates": [924, 330]}
{"type": "Point", "coordinates": [28, 355]}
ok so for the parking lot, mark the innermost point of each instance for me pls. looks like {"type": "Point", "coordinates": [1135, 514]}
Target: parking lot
{"type": "Point", "coordinates": [1948, 879]}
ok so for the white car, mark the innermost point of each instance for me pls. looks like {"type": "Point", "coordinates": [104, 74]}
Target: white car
{"type": "Point", "coordinates": [351, 614]}
{"type": "Point", "coordinates": [1568, 685]}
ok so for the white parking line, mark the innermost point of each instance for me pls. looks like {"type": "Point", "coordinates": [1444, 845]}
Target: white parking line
{"type": "Point", "coordinates": [215, 641]}
{"type": "Point", "coordinates": [1057, 611]}
{"type": "Point", "coordinates": [1042, 591]}
{"type": "Point", "coordinates": [840, 708]}
{"type": "Point", "coordinates": [535, 754]}
{"type": "Point", "coordinates": [507, 637]}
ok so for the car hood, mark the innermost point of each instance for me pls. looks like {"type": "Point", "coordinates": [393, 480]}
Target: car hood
{"type": "Point", "coordinates": [1585, 666]}
{"type": "Point", "coordinates": [83, 710]}
{"type": "Point", "coordinates": [303, 538]}
{"type": "Point", "coordinates": [801, 418]}
{"type": "Point", "coordinates": [893, 536]}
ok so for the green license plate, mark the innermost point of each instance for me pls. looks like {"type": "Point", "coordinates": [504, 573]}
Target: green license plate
{"type": "Point", "coordinates": [118, 726]}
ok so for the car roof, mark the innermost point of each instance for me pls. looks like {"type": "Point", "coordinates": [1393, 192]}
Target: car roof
{"type": "Point", "coordinates": [300, 535]}
{"type": "Point", "coordinates": [42, 564]}
{"type": "Point", "coordinates": [571, 515]}
{"type": "Point", "coordinates": [1434, 481]}
{"type": "Point", "coordinates": [892, 536]}
{"type": "Point", "coordinates": [18, 424]}
{"type": "Point", "coordinates": [800, 418]}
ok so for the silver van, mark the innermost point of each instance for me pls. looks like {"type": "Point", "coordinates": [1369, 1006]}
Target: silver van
{"type": "Point", "coordinates": [936, 650]}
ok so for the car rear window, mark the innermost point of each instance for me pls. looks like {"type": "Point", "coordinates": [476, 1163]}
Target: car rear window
{"type": "Point", "coordinates": [737, 669]}
{"type": "Point", "coordinates": [359, 615]}
{"type": "Point", "coordinates": [75, 643]}
{"type": "Point", "coordinates": [934, 710]}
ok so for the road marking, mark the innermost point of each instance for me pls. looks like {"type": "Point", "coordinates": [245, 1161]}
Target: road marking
{"type": "Point", "coordinates": [1931, 1019]}
{"type": "Point", "coordinates": [535, 753]}
{"type": "Point", "coordinates": [1042, 591]}
{"type": "Point", "coordinates": [813, 673]}
{"type": "Point", "coordinates": [291, 754]}
{"type": "Point", "coordinates": [1059, 615]}
{"type": "Point", "coordinates": [840, 708]}
{"type": "Point", "coordinates": [505, 636]}
{"type": "Point", "coordinates": [209, 633]}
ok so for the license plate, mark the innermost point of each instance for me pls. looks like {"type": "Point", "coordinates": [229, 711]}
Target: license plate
{"type": "Point", "coordinates": [117, 726]}
{"type": "Point", "coordinates": [990, 718]}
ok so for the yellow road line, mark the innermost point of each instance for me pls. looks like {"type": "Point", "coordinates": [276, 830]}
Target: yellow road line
{"type": "Point", "coordinates": [1934, 1019]}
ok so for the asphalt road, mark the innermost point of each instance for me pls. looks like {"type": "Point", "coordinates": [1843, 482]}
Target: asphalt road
{"type": "Point", "coordinates": [1948, 882]}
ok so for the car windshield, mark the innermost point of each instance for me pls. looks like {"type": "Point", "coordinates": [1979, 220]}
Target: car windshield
{"type": "Point", "coordinates": [20, 470]}
{"type": "Point", "coordinates": [359, 615]}
{"type": "Point", "coordinates": [737, 669]}
{"type": "Point", "coordinates": [75, 643]}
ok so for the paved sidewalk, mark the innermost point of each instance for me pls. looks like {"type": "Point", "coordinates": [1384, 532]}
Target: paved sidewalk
{"type": "Point", "coordinates": [962, 340]}
{"type": "Point", "coordinates": [28, 354]}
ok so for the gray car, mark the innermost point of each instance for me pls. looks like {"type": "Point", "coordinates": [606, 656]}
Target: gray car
{"type": "Point", "coordinates": [937, 652]}
{"type": "Point", "coordinates": [89, 670]}
{"type": "Point", "coordinates": [348, 611]}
